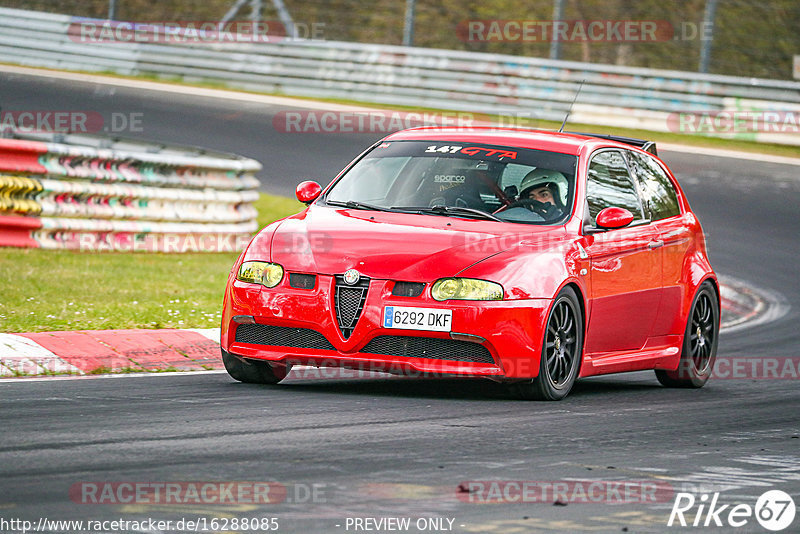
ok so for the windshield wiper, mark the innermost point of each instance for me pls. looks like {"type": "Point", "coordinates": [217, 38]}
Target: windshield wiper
{"type": "Point", "coordinates": [450, 210]}
{"type": "Point", "coordinates": [357, 205]}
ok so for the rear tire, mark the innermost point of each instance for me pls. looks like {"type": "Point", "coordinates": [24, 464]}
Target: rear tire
{"type": "Point", "coordinates": [253, 371]}
{"type": "Point", "coordinates": [562, 350]}
{"type": "Point", "coordinates": [699, 343]}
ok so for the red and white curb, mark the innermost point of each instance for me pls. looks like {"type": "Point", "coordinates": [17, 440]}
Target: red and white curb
{"type": "Point", "coordinates": [109, 351]}
{"type": "Point", "coordinates": [90, 352]}
{"type": "Point", "coordinates": [745, 305]}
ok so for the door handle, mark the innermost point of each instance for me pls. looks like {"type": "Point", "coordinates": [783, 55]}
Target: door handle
{"type": "Point", "coordinates": [655, 244]}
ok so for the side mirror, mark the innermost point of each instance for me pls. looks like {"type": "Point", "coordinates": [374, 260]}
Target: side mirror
{"type": "Point", "coordinates": [308, 191]}
{"type": "Point", "coordinates": [611, 218]}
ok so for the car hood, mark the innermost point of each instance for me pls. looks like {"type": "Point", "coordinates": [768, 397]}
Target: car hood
{"type": "Point", "coordinates": [386, 245]}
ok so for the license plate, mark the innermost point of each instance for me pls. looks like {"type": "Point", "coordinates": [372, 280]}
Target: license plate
{"type": "Point", "coordinates": [430, 319]}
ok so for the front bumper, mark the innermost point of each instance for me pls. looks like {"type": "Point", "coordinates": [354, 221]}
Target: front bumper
{"type": "Point", "coordinates": [509, 330]}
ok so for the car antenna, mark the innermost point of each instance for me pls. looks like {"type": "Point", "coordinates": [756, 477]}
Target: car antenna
{"type": "Point", "coordinates": [570, 106]}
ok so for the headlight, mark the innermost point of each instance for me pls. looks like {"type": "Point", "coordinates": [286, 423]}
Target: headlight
{"type": "Point", "coordinates": [260, 272]}
{"type": "Point", "coordinates": [466, 289]}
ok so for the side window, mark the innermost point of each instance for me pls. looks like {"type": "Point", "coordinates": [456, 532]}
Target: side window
{"type": "Point", "coordinates": [609, 184]}
{"type": "Point", "coordinates": [513, 175]}
{"type": "Point", "coordinates": [657, 189]}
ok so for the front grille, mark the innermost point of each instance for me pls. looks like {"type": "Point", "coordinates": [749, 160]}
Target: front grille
{"type": "Point", "coordinates": [405, 346]}
{"type": "Point", "coordinates": [349, 303]}
{"type": "Point", "coordinates": [430, 348]}
{"type": "Point", "coordinates": [282, 336]}
{"type": "Point", "coordinates": [408, 289]}
{"type": "Point", "coordinates": [302, 281]}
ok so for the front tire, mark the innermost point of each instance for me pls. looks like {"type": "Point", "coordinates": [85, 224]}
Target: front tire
{"type": "Point", "coordinates": [699, 343]}
{"type": "Point", "coordinates": [253, 371]}
{"type": "Point", "coordinates": [562, 350]}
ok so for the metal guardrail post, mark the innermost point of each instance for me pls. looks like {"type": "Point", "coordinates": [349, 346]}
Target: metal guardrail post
{"type": "Point", "coordinates": [227, 17]}
{"type": "Point", "coordinates": [707, 41]}
{"type": "Point", "coordinates": [408, 28]}
{"type": "Point", "coordinates": [558, 14]}
{"type": "Point", "coordinates": [255, 13]}
{"type": "Point", "coordinates": [285, 18]}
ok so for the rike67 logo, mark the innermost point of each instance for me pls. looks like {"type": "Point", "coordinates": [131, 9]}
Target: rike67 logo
{"type": "Point", "coordinates": [774, 510]}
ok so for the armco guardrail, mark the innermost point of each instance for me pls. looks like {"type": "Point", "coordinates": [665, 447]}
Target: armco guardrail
{"type": "Point", "coordinates": [62, 191]}
{"type": "Point", "coordinates": [444, 79]}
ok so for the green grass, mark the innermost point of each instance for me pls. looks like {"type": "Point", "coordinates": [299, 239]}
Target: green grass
{"type": "Point", "coordinates": [46, 290]}
{"type": "Point", "coordinates": [271, 208]}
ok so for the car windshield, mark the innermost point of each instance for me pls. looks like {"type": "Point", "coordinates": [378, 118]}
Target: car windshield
{"type": "Point", "coordinates": [461, 179]}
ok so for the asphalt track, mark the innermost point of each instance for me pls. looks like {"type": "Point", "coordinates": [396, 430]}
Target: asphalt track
{"type": "Point", "coordinates": [401, 447]}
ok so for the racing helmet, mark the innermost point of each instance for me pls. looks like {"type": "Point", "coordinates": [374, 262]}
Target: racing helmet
{"type": "Point", "coordinates": [553, 180]}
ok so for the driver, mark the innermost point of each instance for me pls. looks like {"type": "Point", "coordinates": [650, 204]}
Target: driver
{"type": "Point", "coordinates": [540, 192]}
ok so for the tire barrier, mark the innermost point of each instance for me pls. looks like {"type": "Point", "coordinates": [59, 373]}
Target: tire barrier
{"type": "Point", "coordinates": [66, 191]}
{"type": "Point", "coordinates": [17, 195]}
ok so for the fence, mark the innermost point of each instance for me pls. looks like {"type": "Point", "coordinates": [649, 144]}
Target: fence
{"type": "Point", "coordinates": [90, 193]}
{"type": "Point", "coordinates": [392, 75]}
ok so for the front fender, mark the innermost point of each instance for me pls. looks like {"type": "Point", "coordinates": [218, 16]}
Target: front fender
{"type": "Point", "coordinates": [527, 272]}
{"type": "Point", "coordinates": [260, 247]}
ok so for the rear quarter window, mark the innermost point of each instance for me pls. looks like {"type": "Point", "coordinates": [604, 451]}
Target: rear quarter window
{"type": "Point", "coordinates": [658, 192]}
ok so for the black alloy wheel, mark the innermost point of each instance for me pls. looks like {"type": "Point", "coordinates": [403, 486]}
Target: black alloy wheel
{"type": "Point", "coordinates": [562, 351]}
{"type": "Point", "coordinates": [700, 340]}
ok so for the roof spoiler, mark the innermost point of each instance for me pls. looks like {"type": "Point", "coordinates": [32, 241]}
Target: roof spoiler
{"type": "Point", "coordinates": [647, 146]}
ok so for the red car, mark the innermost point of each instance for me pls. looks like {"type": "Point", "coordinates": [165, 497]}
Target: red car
{"type": "Point", "coordinates": [528, 257]}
